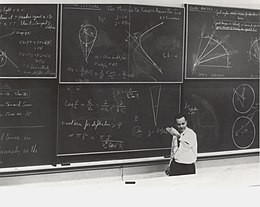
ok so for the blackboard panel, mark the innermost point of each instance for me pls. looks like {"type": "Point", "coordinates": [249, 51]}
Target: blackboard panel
{"type": "Point", "coordinates": [115, 119]}
{"type": "Point", "coordinates": [225, 114]}
{"type": "Point", "coordinates": [156, 43]}
{"type": "Point", "coordinates": [222, 42]}
{"type": "Point", "coordinates": [27, 122]}
{"type": "Point", "coordinates": [109, 43]}
{"type": "Point", "coordinates": [28, 40]}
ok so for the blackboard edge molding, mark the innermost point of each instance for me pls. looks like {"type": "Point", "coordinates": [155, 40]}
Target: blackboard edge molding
{"type": "Point", "coordinates": [230, 152]}
{"type": "Point", "coordinates": [111, 164]}
{"type": "Point", "coordinates": [83, 166]}
{"type": "Point", "coordinates": [108, 152]}
{"type": "Point", "coordinates": [200, 155]}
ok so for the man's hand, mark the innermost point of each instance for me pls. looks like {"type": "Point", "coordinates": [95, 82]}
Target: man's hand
{"type": "Point", "coordinates": [167, 171]}
{"type": "Point", "coordinates": [173, 131]}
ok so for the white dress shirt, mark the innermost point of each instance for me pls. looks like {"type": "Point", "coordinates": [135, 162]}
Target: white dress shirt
{"type": "Point", "coordinates": [186, 152]}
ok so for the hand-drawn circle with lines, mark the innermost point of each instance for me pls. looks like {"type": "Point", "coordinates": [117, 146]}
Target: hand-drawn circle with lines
{"type": "Point", "coordinates": [243, 132]}
{"type": "Point", "coordinates": [87, 34]}
{"type": "Point", "coordinates": [3, 58]}
{"type": "Point", "coordinates": [243, 98]}
{"type": "Point", "coordinates": [254, 52]}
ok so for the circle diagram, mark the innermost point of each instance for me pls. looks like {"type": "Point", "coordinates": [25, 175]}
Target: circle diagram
{"type": "Point", "coordinates": [243, 98]}
{"type": "Point", "coordinates": [87, 38]}
{"type": "Point", "coordinates": [3, 58]}
{"type": "Point", "coordinates": [254, 52]}
{"type": "Point", "coordinates": [243, 132]}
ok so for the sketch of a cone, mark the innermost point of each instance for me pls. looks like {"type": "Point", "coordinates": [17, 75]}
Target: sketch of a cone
{"type": "Point", "coordinates": [87, 38]}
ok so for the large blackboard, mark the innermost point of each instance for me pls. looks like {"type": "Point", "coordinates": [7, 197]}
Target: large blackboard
{"type": "Point", "coordinates": [114, 119]}
{"type": "Point", "coordinates": [225, 114]}
{"type": "Point", "coordinates": [121, 43]}
{"type": "Point", "coordinates": [28, 40]}
{"type": "Point", "coordinates": [28, 111]}
{"type": "Point", "coordinates": [222, 42]}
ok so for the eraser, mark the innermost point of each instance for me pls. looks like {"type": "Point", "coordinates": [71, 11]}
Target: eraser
{"type": "Point", "coordinates": [129, 182]}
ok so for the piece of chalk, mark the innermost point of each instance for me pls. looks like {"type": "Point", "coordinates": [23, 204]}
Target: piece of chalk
{"type": "Point", "coordinates": [129, 182]}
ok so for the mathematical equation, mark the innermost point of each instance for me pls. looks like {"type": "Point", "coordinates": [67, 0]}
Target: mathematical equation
{"type": "Point", "coordinates": [19, 16]}
{"type": "Point", "coordinates": [15, 103]}
{"type": "Point", "coordinates": [28, 40]}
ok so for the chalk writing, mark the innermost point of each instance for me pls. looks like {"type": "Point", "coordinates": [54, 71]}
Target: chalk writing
{"type": "Point", "coordinates": [108, 38]}
{"type": "Point", "coordinates": [26, 122]}
{"type": "Point", "coordinates": [94, 124]}
{"type": "Point", "coordinates": [116, 118]}
{"type": "Point", "coordinates": [216, 52]}
{"type": "Point", "coordinates": [236, 26]}
{"type": "Point", "coordinates": [28, 40]}
{"type": "Point", "coordinates": [105, 106]}
{"type": "Point", "coordinates": [191, 109]}
{"type": "Point", "coordinates": [22, 93]}
{"type": "Point", "coordinates": [112, 144]}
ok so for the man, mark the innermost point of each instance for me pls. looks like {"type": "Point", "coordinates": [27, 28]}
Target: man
{"type": "Point", "coordinates": [184, 148]}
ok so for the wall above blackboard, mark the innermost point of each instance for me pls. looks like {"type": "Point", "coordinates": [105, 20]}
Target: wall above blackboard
{"type": "Point", "coordinates": [222, 42]}
{"type": "Point", "coordinates": [28, 37]}
{"type": "Point", "coordinates": [121, 43]}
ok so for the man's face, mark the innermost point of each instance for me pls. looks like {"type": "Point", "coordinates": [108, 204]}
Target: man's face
{"type": "Point", "coordinates": [181, 124]}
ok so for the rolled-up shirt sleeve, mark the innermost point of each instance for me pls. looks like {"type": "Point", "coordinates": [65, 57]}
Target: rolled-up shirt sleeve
{"type": "Point", "coordinates": [174, 146]}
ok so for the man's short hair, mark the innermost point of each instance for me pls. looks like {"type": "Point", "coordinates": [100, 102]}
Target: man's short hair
{"type": "Point", "coordinates": [180, 115]}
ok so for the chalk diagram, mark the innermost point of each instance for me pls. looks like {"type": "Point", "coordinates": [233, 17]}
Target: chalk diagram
{"type": "Point", "coordinates": [4, 58]}
{"type": "Point", "coordinates": [211, 54]}
{"type": "Point", "coordinates": [243, 129]}
{"type": "Point", "coordinates": [155, 93]}
{"type": "Point", "coordinates": [254, 52]}
{"type": "Point", "coordinates": [87, 38]}
{"type": "Point", "coordinates": [135, 41]}
{"type": "Point", "coordinates": [206, 120]}
{"type": "Point", "coordinates": [243, 98]}
{"type": "Point", "coordinates": [243, 132]}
